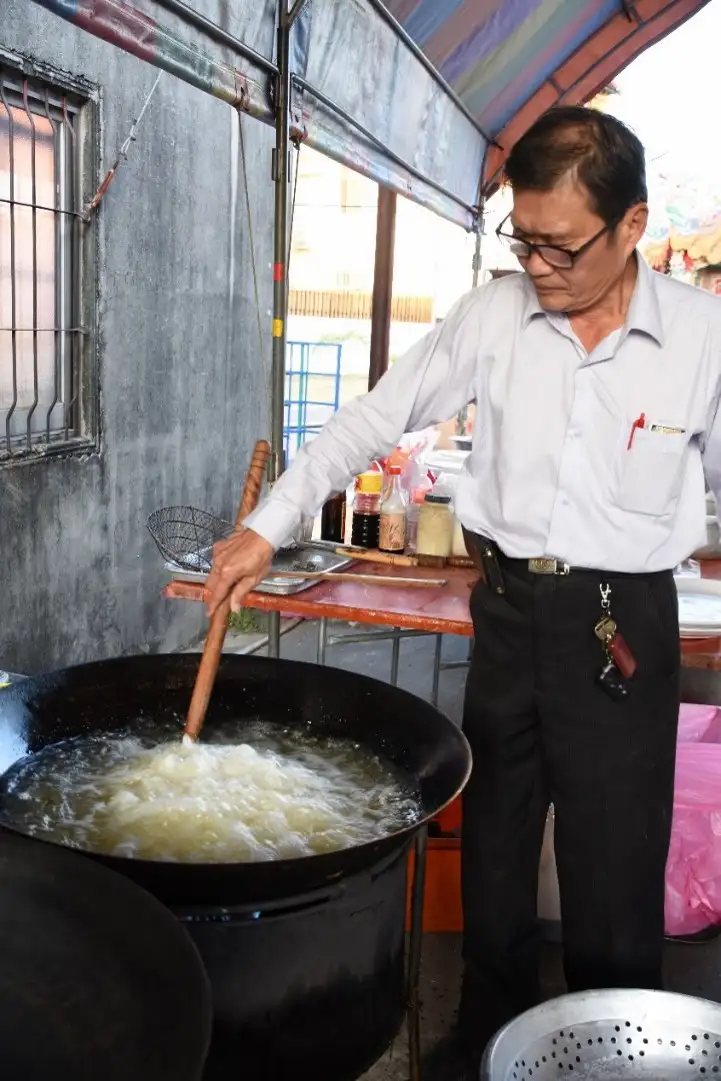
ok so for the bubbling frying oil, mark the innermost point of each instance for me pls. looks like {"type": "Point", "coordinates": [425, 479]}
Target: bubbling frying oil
{"type": "Point", "coordinates": [275, 795]}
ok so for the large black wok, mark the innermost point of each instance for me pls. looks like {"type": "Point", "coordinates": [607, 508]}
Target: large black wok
{"type": "Point", "coordinates": [305, 956]}
{"type": "Point", "coordinates": [109, 695]}
{"type": "Point", "coordinates": [97, 981]}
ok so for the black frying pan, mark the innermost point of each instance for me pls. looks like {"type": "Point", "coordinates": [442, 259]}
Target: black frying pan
{"type": "Point", "coordinates": [109, 695]}
{"type": "Point", "coordinates": [98, 981]}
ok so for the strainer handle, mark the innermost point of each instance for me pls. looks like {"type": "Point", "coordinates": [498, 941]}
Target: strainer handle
{"type": "Point", "coordinates": [213, 648]}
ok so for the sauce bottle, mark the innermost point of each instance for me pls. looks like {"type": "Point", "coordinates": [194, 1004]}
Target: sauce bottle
{"type": "Point", "coordinates": [332, 519]}
{"type": "Point", "coordinates": [366, 510]}
{"type": "Point", "coordinates": [392, 534]}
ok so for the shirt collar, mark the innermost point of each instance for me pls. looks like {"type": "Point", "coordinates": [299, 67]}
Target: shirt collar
{"type": "Point", "coordinates": [644, 311]}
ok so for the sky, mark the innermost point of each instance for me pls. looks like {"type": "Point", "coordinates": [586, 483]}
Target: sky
{"type": "Point", "coordinates": [669, 96]}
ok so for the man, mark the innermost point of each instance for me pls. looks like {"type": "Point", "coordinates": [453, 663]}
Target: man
{"type": "Point", "coordinates": [596, 385]}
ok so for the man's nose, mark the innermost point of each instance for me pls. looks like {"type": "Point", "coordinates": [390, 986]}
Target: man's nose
{"type": "Point", "coordinates": [538, 267]}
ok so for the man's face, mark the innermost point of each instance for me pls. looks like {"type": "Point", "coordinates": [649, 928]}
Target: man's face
{"type": "Point", "coordinates": [563, 217]}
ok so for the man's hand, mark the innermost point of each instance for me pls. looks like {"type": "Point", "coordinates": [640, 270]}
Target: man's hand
{"type": "Point", "coordinates": [239, 563]}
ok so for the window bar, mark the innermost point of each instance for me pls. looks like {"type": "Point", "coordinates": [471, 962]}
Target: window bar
{"type": "Point", "coordinates": [57, 222]}
{"type": "Point", "coordinates": [41, 206]}
{"type": "Point", "coordinates": [13, 281]}
{"type": "Point", "coordinates": [75, 338]}
{"type": "Point", "coordinates": [34, 219]}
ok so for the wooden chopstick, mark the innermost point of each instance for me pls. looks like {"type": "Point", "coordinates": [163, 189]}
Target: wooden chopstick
{"type": "Point", "coordinates": [367, 579]}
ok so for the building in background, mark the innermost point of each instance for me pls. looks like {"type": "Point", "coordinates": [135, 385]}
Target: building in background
{"type": "Point", "coordinates": [332, 261]}
{"type": "Point", "coordinates": [131, 375]}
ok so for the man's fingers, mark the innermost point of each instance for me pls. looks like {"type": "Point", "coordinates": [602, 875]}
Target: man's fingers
{"type": "Point", "coordinates": [239, 563]}
{"type": "Point", "coordinates": [241, 591]}
{"type": "Point", "coordinates": [220, 581]}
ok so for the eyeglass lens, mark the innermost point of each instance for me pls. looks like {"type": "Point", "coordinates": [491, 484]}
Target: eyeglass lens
{"type": "Point", "coordinates": [553, 256]}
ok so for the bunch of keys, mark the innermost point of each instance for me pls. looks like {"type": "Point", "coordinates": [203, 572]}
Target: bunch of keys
{"type": "Point", "coordinates": [619, 662]}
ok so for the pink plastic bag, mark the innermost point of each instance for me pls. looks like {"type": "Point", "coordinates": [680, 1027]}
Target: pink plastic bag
{"type": "Point", "coordinates": [695, 723]}
{"type": "Point", "coordinates": [713, 732]}
{"type": "Point", "coordinates": [693, 871]}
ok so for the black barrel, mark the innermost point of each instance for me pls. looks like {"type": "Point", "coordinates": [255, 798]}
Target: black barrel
{"type": "Point", "coordinates": [312, 987]}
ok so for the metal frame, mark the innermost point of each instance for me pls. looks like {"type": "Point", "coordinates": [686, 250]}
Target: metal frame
{"type": "Point", "coordinates": [382, 308]}
{"type": "Point", "coordinates": [395, 636]}
{"type": "Point", "coordinates": [282, 173]}
{"type": "Point", "coordinates": [432, 71]}
{"type": "Point", "coordinates": [70, 418]}
{"type": "Point", "coordinates": [329, 104]}
{"type": "Point", "coordinates": [302, 374]}
{"type": "Point", "coordinates": [217, 33]}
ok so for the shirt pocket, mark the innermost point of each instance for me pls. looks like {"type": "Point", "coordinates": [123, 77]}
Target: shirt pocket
{"type": "Point", "coordinates": [651, 471]}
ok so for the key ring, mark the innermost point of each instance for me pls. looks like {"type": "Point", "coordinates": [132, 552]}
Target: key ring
{"type": "Point", "coordinates": [605, 595]}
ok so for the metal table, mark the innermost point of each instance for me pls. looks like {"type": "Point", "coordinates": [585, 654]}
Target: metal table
{"type": "Point", "coordinates": [404, 612]}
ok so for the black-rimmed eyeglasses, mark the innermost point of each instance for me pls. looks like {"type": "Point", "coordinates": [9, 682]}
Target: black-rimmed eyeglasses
{"type": "Point", "coordinates": [561, 258]}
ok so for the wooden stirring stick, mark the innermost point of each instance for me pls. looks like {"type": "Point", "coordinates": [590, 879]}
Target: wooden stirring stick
{"type": "Point", "coordinates": [210, 660]}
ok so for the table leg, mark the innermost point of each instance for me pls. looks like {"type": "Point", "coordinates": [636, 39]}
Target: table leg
{"type": "Point", "coordinates": [274, 634]}
{"type": "Point", "coordinates": [322, 641]}
{"type": "Point", "coordinates": [437, 669]}
{"type": "Point", "coordinates": [415, 952]}
{"type": "Point", "coordinates": [395, 657]}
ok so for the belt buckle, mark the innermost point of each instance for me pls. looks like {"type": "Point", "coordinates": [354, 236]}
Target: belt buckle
{"type": "Point", "coordinates": [549, 566]}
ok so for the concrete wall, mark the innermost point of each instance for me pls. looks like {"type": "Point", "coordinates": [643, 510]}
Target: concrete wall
{"type": "Point", "coordinates": [181, 383]}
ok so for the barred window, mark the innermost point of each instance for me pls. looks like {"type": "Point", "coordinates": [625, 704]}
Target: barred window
{"type": "Point", "coordinates": [43, 384]}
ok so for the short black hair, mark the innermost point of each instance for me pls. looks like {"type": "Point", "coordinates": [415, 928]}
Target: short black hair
{"type": "Point", "coordinates": [606, 156]}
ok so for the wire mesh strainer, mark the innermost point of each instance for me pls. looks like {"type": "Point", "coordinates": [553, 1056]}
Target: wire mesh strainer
{"type": "Point", "coordinates": [185, 536]}
{"type": "Point", "coordinates": [610, 1036]}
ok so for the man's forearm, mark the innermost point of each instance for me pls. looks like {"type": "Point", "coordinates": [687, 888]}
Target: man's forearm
{"type": "Point", "coordinates": [429, 384]}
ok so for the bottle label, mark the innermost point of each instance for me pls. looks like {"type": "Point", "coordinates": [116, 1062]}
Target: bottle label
{"type": "Point", "coordinates": [392, 532]}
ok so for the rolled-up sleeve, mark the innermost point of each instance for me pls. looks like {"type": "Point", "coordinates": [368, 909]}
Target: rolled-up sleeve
{"type": "Point", "coordinates": [427, 385]}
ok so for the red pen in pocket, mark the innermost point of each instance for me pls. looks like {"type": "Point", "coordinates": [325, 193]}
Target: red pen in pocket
{"type": "Point", "coordinates": [640, 422]}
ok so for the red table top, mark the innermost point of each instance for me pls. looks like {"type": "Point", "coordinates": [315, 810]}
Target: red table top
{"type": "Point", "coordinates": [442, 611]}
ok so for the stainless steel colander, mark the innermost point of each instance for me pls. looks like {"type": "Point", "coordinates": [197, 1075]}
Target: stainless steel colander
{"type": "Point", "coordinates": [610, 1036]}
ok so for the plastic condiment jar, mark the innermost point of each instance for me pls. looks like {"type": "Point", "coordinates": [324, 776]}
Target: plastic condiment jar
{"type": "Point", "coordinates": [435, 526]}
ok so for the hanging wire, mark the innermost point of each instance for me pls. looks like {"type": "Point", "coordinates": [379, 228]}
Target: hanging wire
{"type": "Point", "coordinates": [292, 210]}
{"type": "Point", "coordinates": [122, 154]}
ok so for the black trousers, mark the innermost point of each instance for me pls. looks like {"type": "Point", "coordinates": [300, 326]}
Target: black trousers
{"type": "Point", "coordinates": [542, 731]}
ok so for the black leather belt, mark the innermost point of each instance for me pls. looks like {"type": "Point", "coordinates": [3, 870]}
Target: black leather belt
{"type": "Point", "coordinates": [491, 562]}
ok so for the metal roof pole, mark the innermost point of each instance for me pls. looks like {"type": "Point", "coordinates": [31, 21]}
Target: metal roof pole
{"type": "Point", "coordinates": [281, 178]}
{"type": "Point", "coordinates": [382, 306]}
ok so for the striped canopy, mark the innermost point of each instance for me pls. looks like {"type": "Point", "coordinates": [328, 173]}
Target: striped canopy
{"type": "Point", "coordinates": [510, 60]}
{"type": "Point", "coordinates": [362, 96]}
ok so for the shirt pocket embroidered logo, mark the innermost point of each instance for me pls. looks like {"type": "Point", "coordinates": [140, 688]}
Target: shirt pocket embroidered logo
{"type": "Point", "coordinates": [652, 468]}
